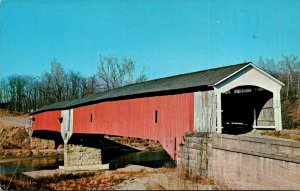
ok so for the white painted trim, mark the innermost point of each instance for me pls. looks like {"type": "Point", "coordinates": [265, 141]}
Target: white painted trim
{"type": "Point", "coordinates": [66, 127]}
{"type": "Point", "coordinates": [251, 77]}
{"type": "Point", "coordinates": [219, 111]}
{"type": "Point", "coordinates": [264, 127]}
{"type": "Point", "coordinates": [255, 67]}
{"type": "Point", "coordinates": [277, 111]}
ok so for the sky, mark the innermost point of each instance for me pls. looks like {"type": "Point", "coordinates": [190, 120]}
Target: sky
{"type": "Point", "coordinates": [167, 37]}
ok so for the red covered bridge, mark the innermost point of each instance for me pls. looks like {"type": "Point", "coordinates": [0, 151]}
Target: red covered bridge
{"type": "Point", "coordinates": [225, 99]}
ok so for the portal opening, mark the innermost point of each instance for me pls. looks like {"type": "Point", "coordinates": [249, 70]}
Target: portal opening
{"type": "Point", "coordinates": [245, 108]}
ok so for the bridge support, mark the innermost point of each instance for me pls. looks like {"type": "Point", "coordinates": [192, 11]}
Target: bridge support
{"type": "Point", "coordinates": [78, 153]}
{"type": "Point", "coordinates": [79, 157]}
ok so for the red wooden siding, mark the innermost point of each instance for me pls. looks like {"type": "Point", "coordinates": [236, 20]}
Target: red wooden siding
{"type": "Point", "coordinates": [47, 121]}
{"type": "Point", "coordinates": [136, 118]}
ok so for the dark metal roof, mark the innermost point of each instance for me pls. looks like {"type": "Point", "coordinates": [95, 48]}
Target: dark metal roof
{"type": "Point", "coordinates": [179, 82]}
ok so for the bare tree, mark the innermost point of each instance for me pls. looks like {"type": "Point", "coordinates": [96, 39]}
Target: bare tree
{"type": "Point", "coordinates": [58, 81]}
{"type": "Point", "coordinates": [269, 65]}
{"type": "Point", "coordinates": [286, 70]}
{"type": "Point", "coordinates": [4, 91]}
{"type": "Point", "coordinates": [54, 86]}
{"type": "Point", "coordinates": [289, 71]}
{"type": "Point", "coordinates": [25, 92]}
{"type": "Point", "coordinates": [113, 73]}
{"type": "Point", "coordinates": [31, 93]}
{"type": "Point", "coordinates": [45, 90]}
{"type": "Point", "coordinates": [89, 86]}
{"type": "Point", "coordinates": [74, 84]}
{"type": "Point", "coordinates": [17, 96]}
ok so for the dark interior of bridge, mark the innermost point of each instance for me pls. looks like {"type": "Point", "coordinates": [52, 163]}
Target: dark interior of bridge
{"type": "Point", "coordinates": [245, 107]}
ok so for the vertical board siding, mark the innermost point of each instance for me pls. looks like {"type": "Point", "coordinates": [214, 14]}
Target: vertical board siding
{"type": "Point", "coordinates": [47, 121]}
{"type": "Point", "coordinates": [205, 111]}
{"type": "Point", "coordinates": [136, 118]}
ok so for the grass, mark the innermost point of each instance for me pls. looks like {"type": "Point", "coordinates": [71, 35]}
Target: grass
{"type": "Point", "coordinates": [95, 181]}
{"type": "Point", "coordinates": [295, 137]}
{"type": "Point", "coordinates": [165, 179]}
{"type": "Point", "coordinates": [10, 183]}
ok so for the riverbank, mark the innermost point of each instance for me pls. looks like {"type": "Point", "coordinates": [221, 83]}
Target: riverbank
{"type": "Point", "coordinates": [6, 160]}
{"type": "Point", "coordinates": [16, 144]}
{"type": "Point", "coordinates": [132, 177]}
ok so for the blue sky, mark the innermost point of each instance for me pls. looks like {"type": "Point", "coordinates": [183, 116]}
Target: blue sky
{"type": "Point", "coordinates": [167, 37]}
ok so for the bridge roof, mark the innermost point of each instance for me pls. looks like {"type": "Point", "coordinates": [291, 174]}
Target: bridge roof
{"type": "Point", "coordinates": [183, 82]}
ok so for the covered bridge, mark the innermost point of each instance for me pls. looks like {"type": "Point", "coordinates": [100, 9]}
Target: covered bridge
{"type": "Point", "coordinates": [232, 99]}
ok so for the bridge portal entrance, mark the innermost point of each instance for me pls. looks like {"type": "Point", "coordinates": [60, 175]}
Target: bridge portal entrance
{"type": "Point", "coordinates": [245, 108]}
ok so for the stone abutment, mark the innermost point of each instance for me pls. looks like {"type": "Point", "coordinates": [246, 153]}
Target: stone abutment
{"type": "Point", "coordinates": [241, 162]}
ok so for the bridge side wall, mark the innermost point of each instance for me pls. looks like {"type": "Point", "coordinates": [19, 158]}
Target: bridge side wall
{"type": "Point", "coordinates": [46, 121]}
{"type": "Point", "coordinates": [242, 162]}
{"type": "Point", "coordinates": [162, 118]}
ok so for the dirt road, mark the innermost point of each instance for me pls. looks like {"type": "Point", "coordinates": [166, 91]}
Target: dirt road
{"type": "Point", "coordinates": [14, 121]}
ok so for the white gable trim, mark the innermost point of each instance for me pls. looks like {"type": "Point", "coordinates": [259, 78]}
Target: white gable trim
{"type": "Point", "coordinates": [255, 67]}
{"type": "Point", "coordinates": [249, 76]}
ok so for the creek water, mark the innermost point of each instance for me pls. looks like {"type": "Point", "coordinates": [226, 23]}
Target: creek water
{"type": "Point", "coordinates": [144, 158]}
{"type": "Point", "coordinates": [30, 165]}
{"type": "Point", "coordinates": [153, 159]}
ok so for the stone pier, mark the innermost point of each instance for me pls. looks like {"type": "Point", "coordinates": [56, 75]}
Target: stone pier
{"type": "Point", "coordinates": [79, 157]}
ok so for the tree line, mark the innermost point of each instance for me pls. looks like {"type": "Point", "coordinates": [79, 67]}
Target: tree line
{"type": "Point", "coordinates": [27, 92]}
{"type": "Point", "coordinates": [287, 70]}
